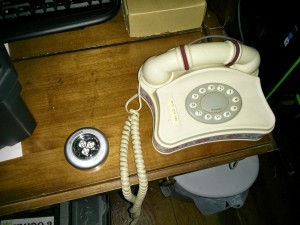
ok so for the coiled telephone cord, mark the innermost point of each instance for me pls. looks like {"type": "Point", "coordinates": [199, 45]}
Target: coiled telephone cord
{"type": "Point", "coordinates": [131, 129]}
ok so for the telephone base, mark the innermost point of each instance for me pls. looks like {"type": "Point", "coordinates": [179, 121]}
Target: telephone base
{"type": "Point", "coordinates": [224, 137]}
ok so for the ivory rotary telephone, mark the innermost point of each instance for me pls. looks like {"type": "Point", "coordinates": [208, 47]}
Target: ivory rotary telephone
{"type": "Point", "coordinates": [197, 94]}
{"type": "Point", "coordinates": [205, 93]}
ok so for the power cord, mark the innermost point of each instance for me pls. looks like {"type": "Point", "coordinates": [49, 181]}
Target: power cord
{"type": "Point", "coordinates": [131, 130]}
{"type": "Point", "coordinates": [199, 40]}
{"type": "Point", "coordinates": [240, 22]}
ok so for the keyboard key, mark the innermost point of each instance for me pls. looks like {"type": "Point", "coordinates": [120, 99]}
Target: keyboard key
{"type": "Point", "coordinates": [10, 13]}
{"type": "Point", "coordinates": [78, 4]}
{"type": "Point", "coordinates": [24, 10]}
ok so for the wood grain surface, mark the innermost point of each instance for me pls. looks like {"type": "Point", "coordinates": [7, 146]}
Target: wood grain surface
{"type": "Point", "coordinates": [74, 80]}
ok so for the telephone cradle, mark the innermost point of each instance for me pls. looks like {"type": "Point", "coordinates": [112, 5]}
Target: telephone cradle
{"type": "Point", "coordinates": [205, 93]}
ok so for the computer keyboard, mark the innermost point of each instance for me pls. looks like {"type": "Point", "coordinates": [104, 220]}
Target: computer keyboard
{"type": "Point", "coordinates": [22, 19]}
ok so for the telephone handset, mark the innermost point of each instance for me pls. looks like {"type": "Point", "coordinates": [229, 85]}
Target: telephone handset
{"type": "Point", "coordinates": [205, 93]}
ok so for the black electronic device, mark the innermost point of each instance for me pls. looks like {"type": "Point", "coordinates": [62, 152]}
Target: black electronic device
{"type": "Point", "coordinates": [16, 121]}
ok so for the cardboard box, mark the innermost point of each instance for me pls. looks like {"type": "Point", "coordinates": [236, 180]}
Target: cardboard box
{"type": "Point", "coordinates": [152, 17]}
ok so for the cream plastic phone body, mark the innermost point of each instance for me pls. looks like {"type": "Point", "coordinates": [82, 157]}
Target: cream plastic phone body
{"type": "Point", "coordinates": [205, 93]}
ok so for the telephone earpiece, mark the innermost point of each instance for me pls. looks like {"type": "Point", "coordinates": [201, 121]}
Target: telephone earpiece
{"type": "Point", "coordinates": [158, 70]}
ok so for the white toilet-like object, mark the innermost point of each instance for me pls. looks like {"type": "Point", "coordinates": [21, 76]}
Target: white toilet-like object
{"type": "Point", "coordinates": [218, 188]}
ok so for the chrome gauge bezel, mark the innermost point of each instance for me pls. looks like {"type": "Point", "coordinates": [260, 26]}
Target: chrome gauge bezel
{"type": "Point", "coordinates": [86, 148]}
